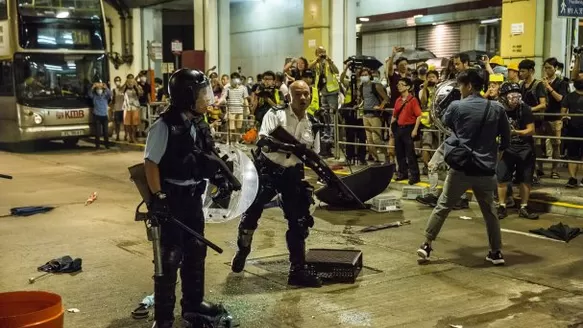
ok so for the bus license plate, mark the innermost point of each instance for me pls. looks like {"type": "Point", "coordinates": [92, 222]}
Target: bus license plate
{"type": "Point", "coordinates": [73, 133]}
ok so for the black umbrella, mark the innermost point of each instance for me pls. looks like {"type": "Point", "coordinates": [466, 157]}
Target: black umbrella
{"type": "Point", "coordinates": [559, 231]}
{"type": "Point", "coordinates": [416, 55]}
{"type": "Point", "coordinates": [369, 62]}
{"type": "Point", "coordinates": [476, 55]}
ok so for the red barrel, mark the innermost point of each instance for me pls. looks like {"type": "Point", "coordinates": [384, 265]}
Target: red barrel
{"type": "Point", "coordinates": [31, 310]}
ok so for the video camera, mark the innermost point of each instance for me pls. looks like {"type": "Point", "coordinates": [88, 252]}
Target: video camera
{"type": "Point", "coordinates": [264, 91]}
{"type": "Point", "coordinates": [354, 63]}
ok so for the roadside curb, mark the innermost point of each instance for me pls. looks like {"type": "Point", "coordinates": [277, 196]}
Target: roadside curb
{"type": "Point", "coordinates": [540, 205]}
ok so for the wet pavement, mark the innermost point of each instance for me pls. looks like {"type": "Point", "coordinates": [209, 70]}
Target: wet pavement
{"type": "Point", "coordinates": [541, 285]}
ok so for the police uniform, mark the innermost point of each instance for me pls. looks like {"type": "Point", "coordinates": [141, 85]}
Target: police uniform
{"type": "Point", "coordinates": [170, 144]}
{"type": "Point", "coordinates": [283, 173]}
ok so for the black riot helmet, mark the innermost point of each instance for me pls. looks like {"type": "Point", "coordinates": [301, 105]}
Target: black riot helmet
{"type": "Point", "coordinates": [186, 86]}
{"type": "Point", "coordinates": [510, 94]}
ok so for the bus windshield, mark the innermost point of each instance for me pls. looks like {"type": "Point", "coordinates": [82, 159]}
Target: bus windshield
{"type": "Point", "coordinates": [61, 8]}
{"type": "Point", "coordinates": [57, 80]}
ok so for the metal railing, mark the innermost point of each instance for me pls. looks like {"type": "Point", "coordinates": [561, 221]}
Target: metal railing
{"type": "Point", "coordinates": [441, 136]}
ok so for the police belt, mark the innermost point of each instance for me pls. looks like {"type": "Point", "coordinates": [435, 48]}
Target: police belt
{"type": "Point", "coordinates": [275, 168]}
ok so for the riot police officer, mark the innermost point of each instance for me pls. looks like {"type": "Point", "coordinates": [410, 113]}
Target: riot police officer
{"type": "Point", "coordinates": [176, 181]}
{"type": "Point", "coordinates": [282, 172]}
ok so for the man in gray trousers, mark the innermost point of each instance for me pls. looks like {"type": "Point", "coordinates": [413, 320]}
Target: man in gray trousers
{"type": "Point", "coordinates": [477, 122]}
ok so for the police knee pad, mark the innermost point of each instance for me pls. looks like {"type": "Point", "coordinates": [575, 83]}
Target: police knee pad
{"type": "Point", "coordinates": [171, 257]}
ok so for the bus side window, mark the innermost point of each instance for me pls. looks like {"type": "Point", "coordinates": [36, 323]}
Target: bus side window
{"type": "Point", "coordinates": [6, 83]}
{"type": "Point", "coordinates": [3, 10]}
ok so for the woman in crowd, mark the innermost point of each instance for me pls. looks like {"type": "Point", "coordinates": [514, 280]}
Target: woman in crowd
{"type": "Point", "coordinates": [131, 106]}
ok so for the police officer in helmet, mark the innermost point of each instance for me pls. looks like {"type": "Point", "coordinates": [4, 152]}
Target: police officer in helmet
{"type": "Point", "coordinates": [175, 180]}
{"type": "Point", "coordinates": [282, 172]}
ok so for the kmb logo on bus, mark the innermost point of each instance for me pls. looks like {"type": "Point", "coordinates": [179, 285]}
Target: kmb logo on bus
{"type": "Point", "coordinates": [70, 114]}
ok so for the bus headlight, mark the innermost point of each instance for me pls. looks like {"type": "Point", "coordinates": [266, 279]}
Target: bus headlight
{"type": "Point", "coordinates": [37, 119]}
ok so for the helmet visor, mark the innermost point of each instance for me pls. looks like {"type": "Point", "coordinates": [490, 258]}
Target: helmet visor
{"type": "Point", "coordinates": [206, 92]}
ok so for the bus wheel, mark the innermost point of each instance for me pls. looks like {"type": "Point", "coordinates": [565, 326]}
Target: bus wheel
{"type": "Point", "coordinates": [71, 142]}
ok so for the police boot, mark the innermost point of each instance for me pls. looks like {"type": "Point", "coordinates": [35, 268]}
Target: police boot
{"type": "Point", "coordinates": [244, 248]}
{"type": "Point", "coordinates": [208, 315]}
{"type": "Point", "coordinates": [298, 274]}
{"type": "Point", "coordinates": [164, 301]}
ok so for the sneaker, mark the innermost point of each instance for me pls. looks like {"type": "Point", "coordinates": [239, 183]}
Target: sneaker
{"type": "Point", "coordinates": [463, 204]}
{"type": "Point", "coordinates": [540, 173]}
{"type": "Point", "coordinates": [424, 251]}
{"type": "Point", "coordinates": [535, 181]}
{"type": "Point", "coordinates": [502, 212]}
{"type": "Point", "coordinates": [495, 257]}
{"type": "Point", "coordinates": [555, 175]}
{"type": "Point", "coordinates": [524, 213]}
{"type": "Point", "coordinates": [401, 178]}
{"type": "Point", "coordinates": [429, 199]}
{"type": "Point", "coordinates": [572, 183]}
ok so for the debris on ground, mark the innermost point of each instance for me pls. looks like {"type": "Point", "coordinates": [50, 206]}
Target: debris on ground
{"type": "Point", "coordinates": [386, 226]}
{"type": "Point", "coordinates": [559, 231]}
{"type": "Point", "coordinates": [91, 198]}
{"type": "Point", "coordinates": [64, 264]}
{"type": "Point", "coordinates": [30, 210]}
{"type": "Point", "coordinates": [465, 217]}
{"type": "Point", "coordinates": [73, 310]}
{"type": "Point", "coordinates": [456, 326]}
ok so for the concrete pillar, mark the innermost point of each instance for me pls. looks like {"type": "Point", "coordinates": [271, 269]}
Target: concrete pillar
{"type": "Point", "coordinates": [137, 39]}
{"type": "Point", "coordinates": [556, 42]}
{"type": "Point", "coordinates": [350, 28]}
{"type": "Point", "coordinates": [224, 36]}
{"type": "Point", "coordinates": [199, 24]}
{"type": "Point", "coordinates": [337, 37]}
{"type": "Point", "coordinates": [529, 44]}
{"type": "Point", "coordinates": [151, 31]}
{"type": "Point", "coordinates": [212, 35]}
{"type": "Point", "coordinates": [316, 26]}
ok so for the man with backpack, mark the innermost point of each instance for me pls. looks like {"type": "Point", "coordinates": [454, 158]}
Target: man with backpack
{"type": "Point", "coordinates": [374, 99]}
{"type": "Point", "coordinates": [534, 95]}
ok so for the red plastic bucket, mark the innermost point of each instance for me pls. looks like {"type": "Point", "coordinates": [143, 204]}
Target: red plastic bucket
{"type": "Point", "coordinates": [31, 309]}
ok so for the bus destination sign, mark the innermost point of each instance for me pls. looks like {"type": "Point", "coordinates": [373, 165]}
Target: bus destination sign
{"type": "Point", "coordinates": [63, 37]}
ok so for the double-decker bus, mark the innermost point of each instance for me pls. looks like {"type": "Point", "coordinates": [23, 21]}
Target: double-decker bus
{"type": "Point", "coordinates": [51, 52]}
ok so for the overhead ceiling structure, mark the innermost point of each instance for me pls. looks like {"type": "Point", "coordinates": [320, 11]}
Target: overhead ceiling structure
{"type": "Point", "coordinates": [164, 4]}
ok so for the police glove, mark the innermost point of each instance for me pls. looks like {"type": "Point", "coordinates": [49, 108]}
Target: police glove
{"type": "Point", "coordinates": [159, 205]}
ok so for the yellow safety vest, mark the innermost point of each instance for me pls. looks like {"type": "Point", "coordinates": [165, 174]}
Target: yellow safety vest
{"type": "Point", "coordinates": [425, 120]}
{"type": "Point", "coordinates": [278, 101]}
{"type": "Point", "coordinates": [331, 81]}
{"type": "Point", "coordinates": [315, 104]}
{"type": "Point", "coordinates": [348, 95]}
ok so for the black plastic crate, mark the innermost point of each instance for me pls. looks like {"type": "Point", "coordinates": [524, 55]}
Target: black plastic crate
{"type": "Point", "coordinates": [335, 265]}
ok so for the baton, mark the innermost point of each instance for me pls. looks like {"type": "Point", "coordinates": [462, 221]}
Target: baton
{"type": "Point", "coordinates": [4, 176]}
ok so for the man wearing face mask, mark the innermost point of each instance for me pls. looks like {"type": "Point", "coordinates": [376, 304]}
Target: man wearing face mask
{"type": "Point", "coordinates": [422, 70]}
{"type": "Point", "coordinates": [280, 171]}
{"type": "Point", "coordinates": [477, 124]}
{"type": "Point", "coordinates": [101, 96]}
{"type": "Point", "coordinates": [326, 80]}
{"type": "Point", "coordinates": [235, 97]}
{"type": "Point", "coordinates": [176, 180]}
{"type": "Point", "coordinates": [266, 96]}
{"type": "Point", "coordinates": [428, 138]}
{"type": "Point", "coordinates": [519, 157]}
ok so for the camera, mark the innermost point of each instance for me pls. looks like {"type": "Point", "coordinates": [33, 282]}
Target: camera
{"type": "Point", "coordinates": [578, 50]}
{"type": "Point", "coordinates": [265, 91]}
{"type": "Point", "coordinates": [354, 63]}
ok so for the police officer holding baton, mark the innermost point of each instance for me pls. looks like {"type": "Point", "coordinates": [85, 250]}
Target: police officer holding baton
{"type": "Point", "coordinates": [175, 179]}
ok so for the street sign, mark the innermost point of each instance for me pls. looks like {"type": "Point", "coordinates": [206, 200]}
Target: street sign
{"type": "Point", "coordinates": [155, 50]}
{"type": "Point", "coordinates": [176, 47]}
{"type": "Point", "coordinates": [570, 8]}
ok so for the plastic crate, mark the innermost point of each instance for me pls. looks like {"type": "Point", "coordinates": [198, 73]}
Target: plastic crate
{"type": "Point", "coordinates": [386, 203]}
{"type": "Point", "coordinates": [334, 265]}
{"type": "Point", "coordinates": [412, 192]}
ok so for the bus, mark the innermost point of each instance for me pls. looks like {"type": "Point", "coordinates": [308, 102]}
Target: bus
{"type": "Point", "coordinates": [51, 53]}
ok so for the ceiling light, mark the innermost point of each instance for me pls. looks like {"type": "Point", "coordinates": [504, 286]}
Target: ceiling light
{"type": "Point", "coordinates": [417, 16]}
{"type": "Point", "coordinates": [364, 19]}
{"type": "Point", "coordinates": [63, 14]}
{"type": "Point", "coordinates": [490, 21]}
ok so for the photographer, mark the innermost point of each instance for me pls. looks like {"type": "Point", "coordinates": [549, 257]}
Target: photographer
{"type": "Point", "coordinates": [265, 96]}
{"type": "Point", "coordinates": [326, 80]}
{"type": "Point", "coordinates": [353, 116]}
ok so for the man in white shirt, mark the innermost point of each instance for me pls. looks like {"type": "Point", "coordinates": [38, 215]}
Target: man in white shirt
{"type": "Point", "coordinates": [280, 171]}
